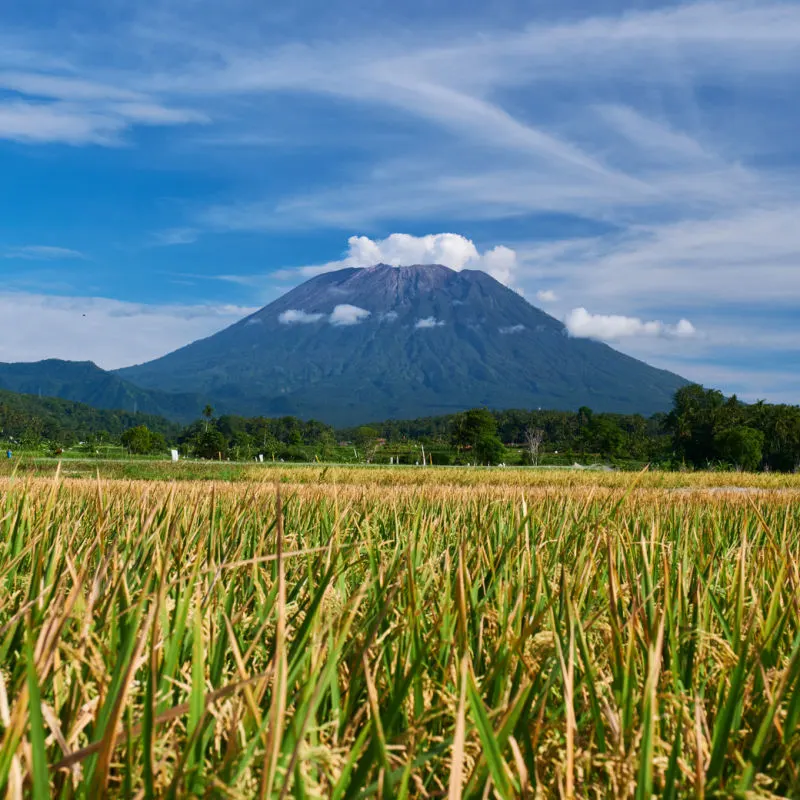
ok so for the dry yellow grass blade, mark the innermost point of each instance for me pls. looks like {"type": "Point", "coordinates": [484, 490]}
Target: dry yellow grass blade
{"type": "Point", "coordinates": [457, 757]}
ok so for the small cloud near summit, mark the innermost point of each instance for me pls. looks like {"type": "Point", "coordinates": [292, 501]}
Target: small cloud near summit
{"type": "Point", "coordinates": [512, 329]}
{"type": "Point", "coordinates": [295, 316]}
{"type": "Point", "coordinates": [348, 315]}
{"type": "Point", "coordinates": [429, 322]}
{"type": "Point", "coordinates": [546, 296]}
{"type": "Point", "coordinates": [341, 315]}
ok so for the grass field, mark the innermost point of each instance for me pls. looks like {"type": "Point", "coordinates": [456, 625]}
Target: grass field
{"type": "Point", "coordinates": [400, 633]}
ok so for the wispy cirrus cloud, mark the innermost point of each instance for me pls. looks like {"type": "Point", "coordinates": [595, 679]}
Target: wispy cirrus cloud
{"type": "Point", "coordinates": [175, 236]}
{"type": "Point", "coordinates": [51, 107]}
{"type": "Point", "coordinates": [42, 253]}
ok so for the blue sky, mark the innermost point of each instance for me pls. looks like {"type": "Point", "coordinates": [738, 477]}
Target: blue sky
{"type": "Point", "coordinates": [630, 167]}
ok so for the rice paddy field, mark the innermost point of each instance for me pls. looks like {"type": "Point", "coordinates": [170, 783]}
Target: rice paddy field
{"type": "Point", "coordinates": [313, 632]}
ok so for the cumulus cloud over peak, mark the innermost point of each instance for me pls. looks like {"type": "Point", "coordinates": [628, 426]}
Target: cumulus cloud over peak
{"type": "Point", "coordinates": [546, 296]}
{"type": "Point", "coordinates": [295, 316]}
{"type": "Point", "coordinates": [402, 249]}
{"type": "Point", "coordinates": [429, 322]}
{"type": "Point", "coordinates": [610, 328]}
{"type": "Point", "coordinates": [346, 314]}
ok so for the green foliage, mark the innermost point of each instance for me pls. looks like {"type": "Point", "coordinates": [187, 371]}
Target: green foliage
{"type": "Point", "coordinates": [472, 426]}
{"type": "Point", "coordinates": [741, 446]}
{"type": "Point", "coordinates": [603, 435]}
{"type": "Point", "coordinates": [489, 450]}
{"type": "Point", "coordinates": [366, 440]}
{"type": "Point", "coordinates": [242, 438]}
{"type": "Point", "coordinates": [692, 434]}
{"type": "Point", "coordinates": [32, 420]}
{"type": "Point", "coordinates": [627, 437]}
{"type": "Point", "coordinates": [82, 382]}
{"type": "Point", "coordinates": [209, 443]}
{"type": "Point", "coordinates": [142, 441]}
{"type": "Point", "coordinates": [476, 430]}
{"type": "Point", "coordinates": [706, 427]}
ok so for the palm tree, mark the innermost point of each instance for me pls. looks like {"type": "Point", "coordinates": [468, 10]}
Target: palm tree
{"type": "Point", "coordinates": [208, 413]}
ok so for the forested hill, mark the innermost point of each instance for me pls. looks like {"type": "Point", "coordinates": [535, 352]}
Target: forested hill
{"type": "Point", "coordinates": [30, 418]}
{"type": "Point", "coordinates": [85, 382]}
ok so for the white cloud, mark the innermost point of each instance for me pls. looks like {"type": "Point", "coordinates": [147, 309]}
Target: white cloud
{"type": "Point", "coordinates": [744, 256]}
{"type": "Point", "coordinates": [611, 328]}
{"type": "Point", "coordinates": [55, 107]}
{"type": "Point", "coordinates": [64, 87]}
{"type": "Point", "coordinates": [155, 114]}
{"type": "Point", "coordinates": [35, 252]}
{"type": "Point", "coordinates": [539, 158]}
{"type": "Point", "coordinates": [656, 139]}
{"type": "Point", "coordinates": [683, 329]}
{"type": "Point", "coordinates": [546, 296]}
{"type": "Point", "coordinates": [402, 249]}
{"type": "Point", "coordinates": [109, 332]}
{"type": "Point", "coordinates": [512, 329]}
{"type": "Point", "coordinates": [294, 316]}
{"type": "Point", "coordinates": [429, 322]}
{"type": "Point", "coordinates": [346, 314]}
{"type": "Point", "coordinates": [37, 123]}
{"type": "Point", "coordinates": [500, 262]}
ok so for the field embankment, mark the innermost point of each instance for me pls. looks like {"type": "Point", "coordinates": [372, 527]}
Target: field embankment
{"type": "Point", "coordinates": [555, 478]}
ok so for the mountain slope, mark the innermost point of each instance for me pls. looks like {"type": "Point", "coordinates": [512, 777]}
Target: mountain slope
{"type": "Point", "coordinates": [64, 420]}
{"type": "Point", "coordinates": [85, 382]}
{"type": "Point", "coordinates": [434, 341]}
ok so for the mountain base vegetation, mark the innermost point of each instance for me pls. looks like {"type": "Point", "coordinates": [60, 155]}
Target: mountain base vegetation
{"type": "Point", "coordinates": [704, 430]}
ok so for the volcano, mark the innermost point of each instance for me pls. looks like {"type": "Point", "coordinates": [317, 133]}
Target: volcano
{"type": "Point", "coordinates": [399, 342]}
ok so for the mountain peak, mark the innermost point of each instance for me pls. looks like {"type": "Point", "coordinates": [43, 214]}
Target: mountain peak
{"type": "Point", "coordinates": [408, 269]}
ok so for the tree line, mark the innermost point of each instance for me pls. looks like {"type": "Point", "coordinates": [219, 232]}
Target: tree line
{"type": "Point", "coordinates": [704, 429]}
